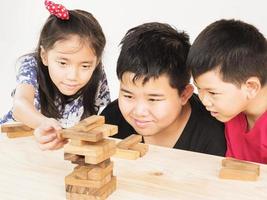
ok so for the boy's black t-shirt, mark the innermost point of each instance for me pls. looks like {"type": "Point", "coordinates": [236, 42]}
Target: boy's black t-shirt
{"type": "Point", "coordinates": [202, 133]}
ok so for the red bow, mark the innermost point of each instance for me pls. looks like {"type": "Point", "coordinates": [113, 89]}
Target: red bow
{"type": "Point", "coordinates": [57, 9]}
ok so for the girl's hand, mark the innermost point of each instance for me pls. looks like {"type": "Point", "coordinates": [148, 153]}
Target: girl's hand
{"type": "Point", "coordinates": [46, 135]}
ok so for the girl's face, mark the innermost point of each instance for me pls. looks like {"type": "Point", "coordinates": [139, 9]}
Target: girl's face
{"type": "Point", "coordinates": [151, 108]}
{"type": "Point", "coordinates": [70, 63]}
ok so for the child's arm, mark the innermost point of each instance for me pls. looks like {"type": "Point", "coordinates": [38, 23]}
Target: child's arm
{"type": "Point", "coordinates": [25, 112]}
{"type": "Point", "coordinates": [23, 106]}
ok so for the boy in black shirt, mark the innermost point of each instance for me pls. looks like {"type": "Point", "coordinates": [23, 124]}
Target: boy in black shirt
{"type": "Point", "coordinates": [156, 99]}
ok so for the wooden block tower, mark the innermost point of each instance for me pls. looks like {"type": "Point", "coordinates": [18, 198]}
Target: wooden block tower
{"type": "Point", "coordinates": [89, 148]}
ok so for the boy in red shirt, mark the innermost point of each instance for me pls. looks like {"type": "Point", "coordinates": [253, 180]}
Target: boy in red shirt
{"type": "Point", "coordinates": [228, 61]}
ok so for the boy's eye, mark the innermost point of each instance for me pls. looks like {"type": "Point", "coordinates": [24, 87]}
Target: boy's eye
{"type": "Point", "coordinates": [213, 93]}
{"type": "Point", "coordinates": [127, 96]}
{"type": "Point", "coordinates": [153, 100]}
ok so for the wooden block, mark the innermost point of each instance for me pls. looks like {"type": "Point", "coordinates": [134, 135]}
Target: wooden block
{"type": "Point", "coordinates": [19, 134]}
{"type": "Point", "coordinates": [73, 157]}
{"type": "Point", "coordinates": [237, 174]}
{"type": "Point", "coordinates": [129, 141]}
{"type": "Point", "coordinates": [142, 148]}
{"type": "Point", "coordinates": [94, 153]}
{"type": "Point", "coordinates": [100, 158]}
{"type": "Point", "coordinates": [72, 180]}
{"type": "Point", "coordinates": [241, 165]}
{"type": "Point", "coordinates": [85, 193]}
{"type": "Point", "coordinates": [75, 142]}
{"type": "Point", "coordinates": [93, 149]}
{"type": "Point", "coordinates": [14, 127]}
{"type": "Point", "coordinates": [127, 154]}
{"type": "Point", "coordinates": [107, 129]}
{"type": "Point", "coordinates": [93, 172]}
{"type": "Point", "coordinates": [89, 123]}
{"type": "Point", "coordinates": [71, 133]}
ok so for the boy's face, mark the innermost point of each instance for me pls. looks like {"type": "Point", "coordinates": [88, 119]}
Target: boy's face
{"type": "Point", "coordinates": [152, 107]}
{"type": "Point", "coordinates": [224, 100]}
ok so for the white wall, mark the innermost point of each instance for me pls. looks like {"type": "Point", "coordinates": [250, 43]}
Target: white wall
{"type": "Point", "coordinates": [21, 22]}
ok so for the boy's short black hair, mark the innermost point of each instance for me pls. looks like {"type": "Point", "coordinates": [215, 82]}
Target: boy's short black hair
{"type": "Point", "coordinates": [237, 49]}
{"type": "Point", "coordinates": [154, 49]}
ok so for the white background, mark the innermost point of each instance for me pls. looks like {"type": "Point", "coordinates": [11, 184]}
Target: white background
{"type": "Point", "coordinates": [21, 22]}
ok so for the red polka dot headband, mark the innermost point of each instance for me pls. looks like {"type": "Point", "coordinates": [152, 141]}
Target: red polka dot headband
{"type": "Point", "coordinates": [57, 9]}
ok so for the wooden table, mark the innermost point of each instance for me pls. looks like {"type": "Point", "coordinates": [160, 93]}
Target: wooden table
{"type": "Point", "coordinates": [31, 174]}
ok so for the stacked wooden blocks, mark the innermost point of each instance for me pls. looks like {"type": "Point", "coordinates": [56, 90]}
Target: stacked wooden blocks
{"type": "Point", "coordinates": [93, 177]}
{"type": "Point", "coordinates": [16, 129]}
{"type": "Point", "coordinates": [239, 170]}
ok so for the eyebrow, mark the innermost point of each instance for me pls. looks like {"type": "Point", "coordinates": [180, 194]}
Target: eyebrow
{"type": "Point", "coordinates": [66, 59]}
{"type": "Point", "coordinates": [126, 91]}
{"type": "Point", "coordinates": [204, 88]}
{"type": "Point", "coordinates": [151, 94]}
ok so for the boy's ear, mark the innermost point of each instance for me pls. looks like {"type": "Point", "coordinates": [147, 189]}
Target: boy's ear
{"type": "Point", "coordinates": [43, 56]}
{"type": "Point", "coordinates": [187, 93]}
{"type": "Point", "coordinates": [253, 86]}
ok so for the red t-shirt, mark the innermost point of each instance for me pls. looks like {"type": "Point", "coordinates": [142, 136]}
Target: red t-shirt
{"type": "Point", "coordinates": [244, 144]}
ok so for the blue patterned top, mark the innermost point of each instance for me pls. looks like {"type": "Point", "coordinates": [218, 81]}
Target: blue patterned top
{"type": "Point", "coordinates": [73, 111]}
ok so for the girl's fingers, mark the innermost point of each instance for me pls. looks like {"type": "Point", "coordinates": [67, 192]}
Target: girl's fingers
{"type": "Point", "coordinates": [53, 145]}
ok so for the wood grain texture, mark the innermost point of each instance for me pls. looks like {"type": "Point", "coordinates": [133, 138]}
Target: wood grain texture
{"type": "Point", "coordinates": [162, 173]}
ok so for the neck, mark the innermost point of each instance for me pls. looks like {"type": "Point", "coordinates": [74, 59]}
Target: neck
{"type": "Point", "coordinates": [169, 136]}
{"type": "Point", "coordinates": [256, 107]}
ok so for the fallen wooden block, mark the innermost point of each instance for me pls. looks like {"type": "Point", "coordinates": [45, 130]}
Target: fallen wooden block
{"type": "Point", "coordinates": [19, 134]}
{"type": "Point", "coordinates": [14, 127]}
{"type": "Point", "coordinates": [236, 174]}
{"type": "Point", "coordinates": [241, 165]}
{"type": "Point", "coordinates": [239, 170]}
{"type": "Point", "coordinates": [127, 154]}
{"type": "Point", "coordinates": [142, 148]}
{"type": "Point", "coordinates": [129, 141]}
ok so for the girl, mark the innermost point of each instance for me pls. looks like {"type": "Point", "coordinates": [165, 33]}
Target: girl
{"type": "Point", "coordinates": [63, 81]}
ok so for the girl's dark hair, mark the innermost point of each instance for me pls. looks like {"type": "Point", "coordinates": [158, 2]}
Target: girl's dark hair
{"type": "Point", "coordinates": [154, 49]}
{"type": "Point", "coordinates": [84, 25]}
{"type": "Point", "coordinates": [237, 49]}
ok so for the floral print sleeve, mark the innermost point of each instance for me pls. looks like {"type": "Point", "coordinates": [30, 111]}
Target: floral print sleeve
{"type": "Point", "coordinates": [27, 73]}
{"type": "Point", "coordinates": [103, 94]}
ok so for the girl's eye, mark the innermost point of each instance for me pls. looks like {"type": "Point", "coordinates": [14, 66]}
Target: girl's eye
{"type": "Point", "coordinates": [86, 66]}
{"type": "Point", "coordinates": [62, 63]}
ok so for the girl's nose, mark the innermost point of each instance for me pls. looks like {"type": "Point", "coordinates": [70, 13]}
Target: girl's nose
{"type": "Point", "coordinates": [72, 73]}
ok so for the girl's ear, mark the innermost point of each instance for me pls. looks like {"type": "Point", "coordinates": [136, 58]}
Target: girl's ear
{"type": "Point", "coordinates": [186, 93]}
{"type": "Point", "coordinates": [43, 55]}
{"type": "Point", "coordinates": [252, 86]}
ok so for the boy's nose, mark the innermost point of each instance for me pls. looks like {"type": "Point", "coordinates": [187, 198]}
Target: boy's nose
{"type": "Point", "coordinates": [204, 97]}
{"type": "Point", "coordinates": [140, 109]}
